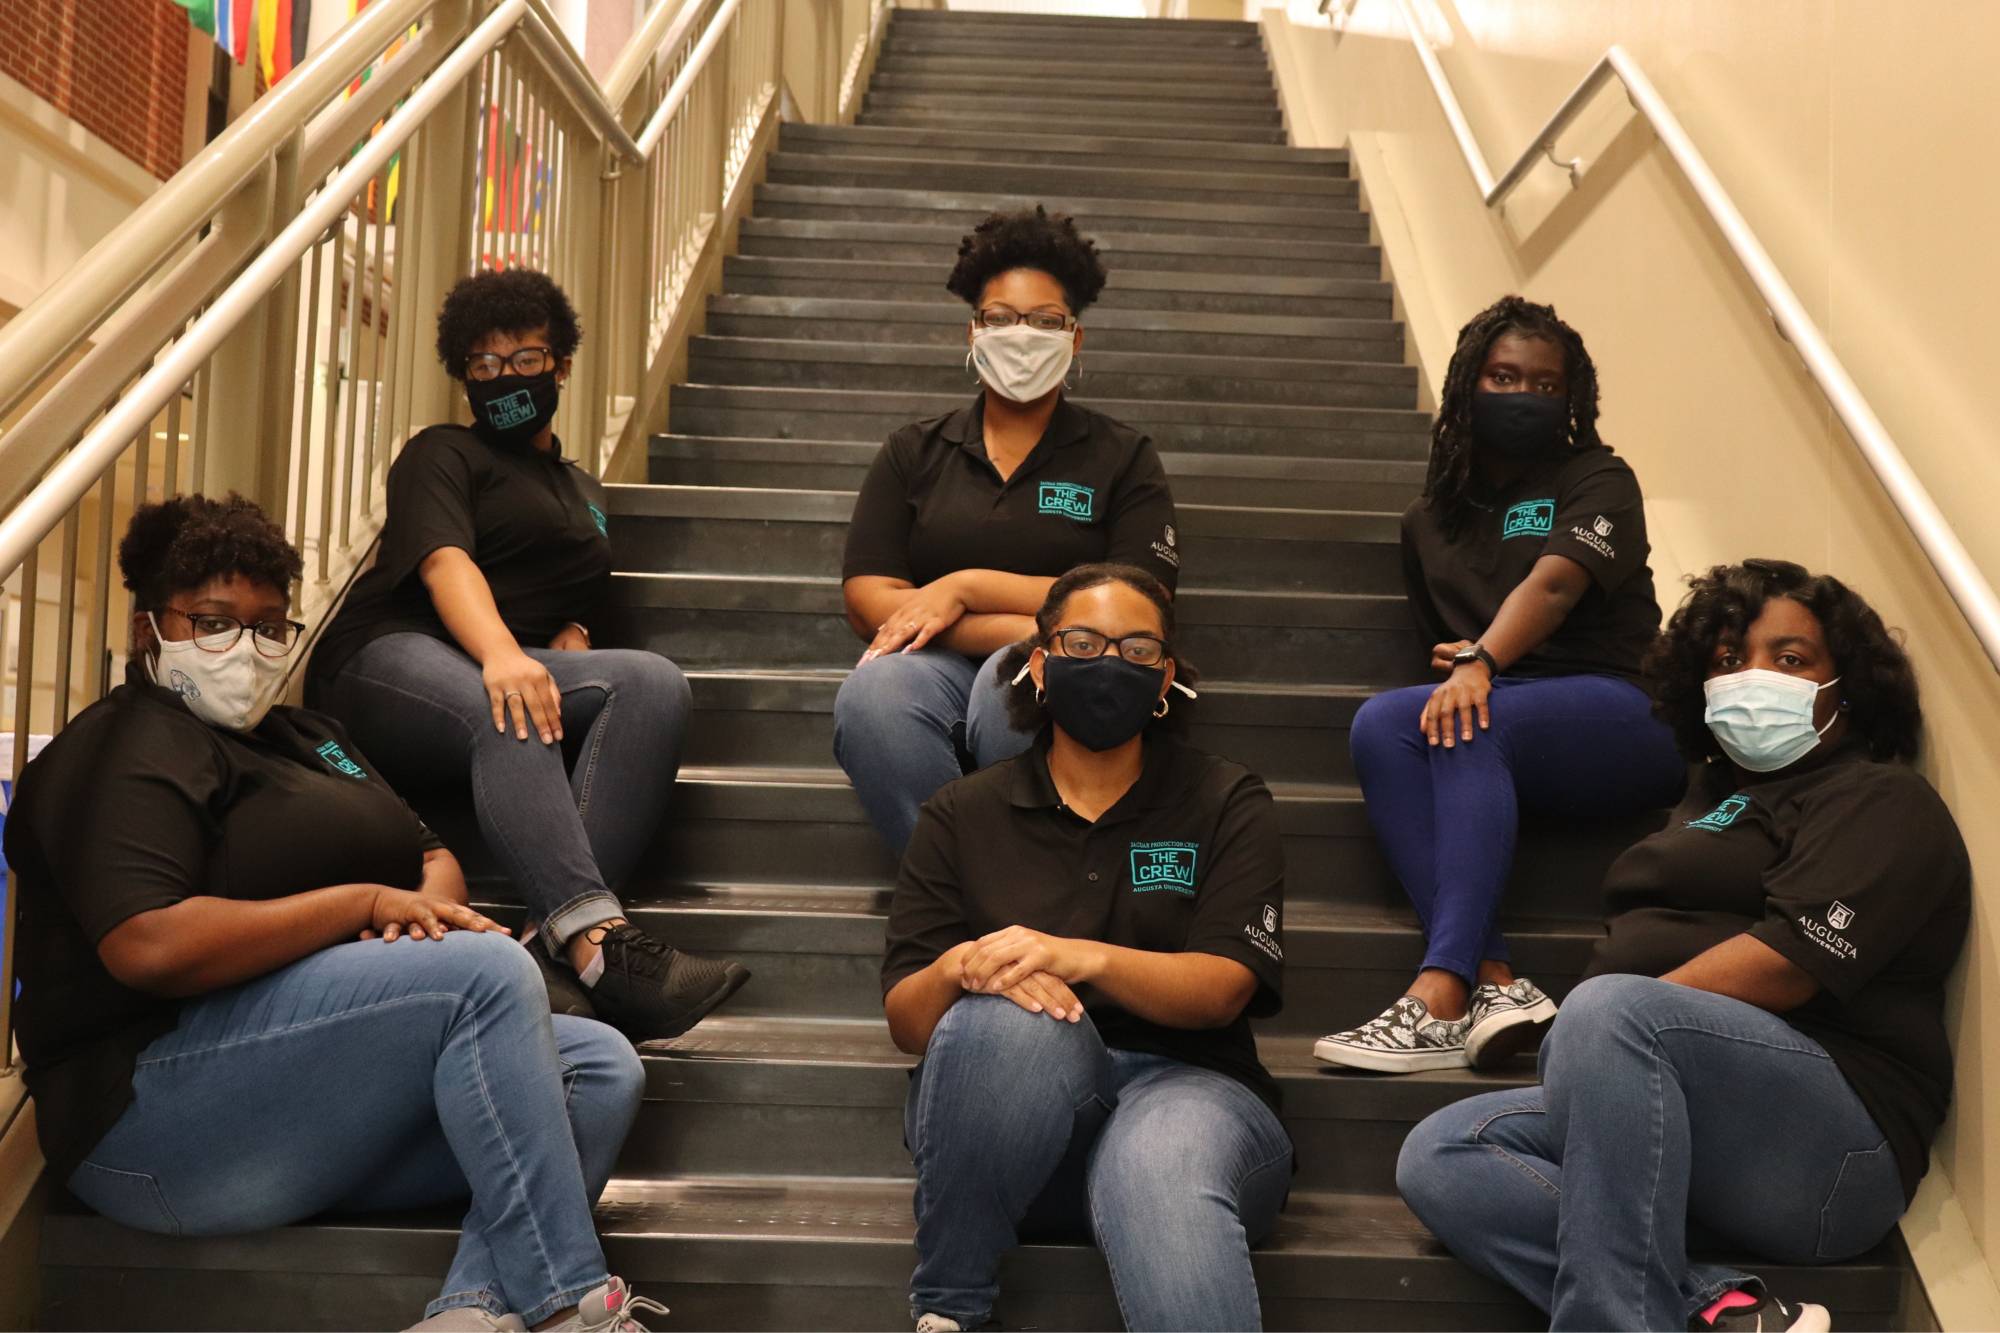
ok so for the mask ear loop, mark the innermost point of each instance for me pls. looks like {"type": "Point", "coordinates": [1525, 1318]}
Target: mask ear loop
{"type": "Point", "coordinates": [969, 367]}
{"type": "Point", "coordinates": [1022, 675]}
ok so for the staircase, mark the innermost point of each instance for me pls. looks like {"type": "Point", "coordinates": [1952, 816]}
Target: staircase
{"type": "Point", "coordinates": [1248, 329]}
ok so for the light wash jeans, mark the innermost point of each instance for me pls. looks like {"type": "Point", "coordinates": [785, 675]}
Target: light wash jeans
{"type": "Point", "coordinates": [1660, 1108]}
{"type": "Point", "coordinates": [377, 1076]}
{"type": "Point", "coordinates": [894, 722]}
{"type": "Point", "coordinates": [1021, 1123]}
{"type": "Point", "coordinates": [566, 829]}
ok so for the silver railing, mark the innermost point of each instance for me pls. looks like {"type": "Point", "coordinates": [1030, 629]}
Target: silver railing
{"type": "Point", "coordinates": [263, 322]}
{"type": "Point", "coordinates": [1961, 575]}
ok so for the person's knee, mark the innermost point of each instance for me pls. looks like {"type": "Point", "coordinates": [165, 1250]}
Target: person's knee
{"type": "Point", "coordinates": [615, 1069]}
{"type": "Point", "coordinates": [1384, 725]}
{"type": "Point", "coordinates": [993, 1035]}
{"type": "Point", "coordinates": [654, 679]}
{"type": "Point", "coordinates": [872, 697]}
{"type": "Point", "coordinates": [486, 965]}
{"type": "Point", "coordinates": [1600, 1013]}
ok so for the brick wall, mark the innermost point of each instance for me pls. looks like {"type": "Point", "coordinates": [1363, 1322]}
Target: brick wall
{"type": "Point", "coordinates": [117, 67]}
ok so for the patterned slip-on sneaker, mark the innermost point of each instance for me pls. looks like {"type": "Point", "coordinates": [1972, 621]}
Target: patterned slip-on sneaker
{"type": "Point", "coordinates": [1501, 1021]}
{"type": "Point", "coordinates": [1403, 1040]}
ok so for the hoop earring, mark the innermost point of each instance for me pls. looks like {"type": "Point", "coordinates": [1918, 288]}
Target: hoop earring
{"type": "Point", "coordinates": [1161, 711]}
{"type": "Point", "coordinates": [1077, 366]}
{"type": "Point", "coordinates": [1040, 695]}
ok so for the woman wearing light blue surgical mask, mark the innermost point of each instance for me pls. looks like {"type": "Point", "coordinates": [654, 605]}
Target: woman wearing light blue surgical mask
{"type": "Point", "coordinates": [1758, 1051]}
{"type": "Point", "coordinates": [965, 521]}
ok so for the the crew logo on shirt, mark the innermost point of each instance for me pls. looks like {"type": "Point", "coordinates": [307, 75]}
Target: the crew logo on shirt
{"type": "Point", "coordinates": [1530, 518]}
{"type": "Point", "coordinates": [1723, 815]}
{"type": "Point", "coordinates": [1164, 865]}
{"type": "Point", "coordinates": [597, 517]}
{"type": "Point", "coordinates": [1067, 499]}
{"type": "Point", "coordinates": [1840, 915]}
{"type": "Point", "coordinates": [337, 760]}
{"type": "Point", "coordinates": [509, 412]}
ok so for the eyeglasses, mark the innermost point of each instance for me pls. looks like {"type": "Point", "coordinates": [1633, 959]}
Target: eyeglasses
{"type": "Point", "coordinates": [1144, 650]}
{"type": "Point", "coordinates": [218, 634]}
{"type": "Point", "coordinates": [522, 360]}
{"type": "Point", "coordinates": [1005, 317]}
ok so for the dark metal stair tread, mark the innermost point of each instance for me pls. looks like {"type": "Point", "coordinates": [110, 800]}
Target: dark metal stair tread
{"type": "Point", "coordinates": [1161, 321]}
{"type": "Point", "coordinates": [1086, 209]}
{"type": "Point", "coordinates": [1054, 142]}
{"type": "Point", "coordinates": [1124, 249]}
{"type": "Point", "coordinates": [911, 170]}
{"type": "Point", "coordinates": [1397, 420]}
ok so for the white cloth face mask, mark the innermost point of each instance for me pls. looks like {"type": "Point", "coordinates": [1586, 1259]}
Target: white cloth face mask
{"type": "Point", "coordinates": [1763, 720]}
{"type": "Point", "coordinates": [1020, 363]}
{"type": "Point", "coordinates": [232, 689]}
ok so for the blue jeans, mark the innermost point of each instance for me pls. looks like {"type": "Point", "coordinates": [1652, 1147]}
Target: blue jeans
{"type": "Point", "coordinates": [1018, 1123]}
{"type": "Point", "coordinates": [566, 832]}
{"type": "Point", "coordinates": [1584, 746]}
{"type": "Point", "coordinates": [894, 723]}
{"type": "Point", "coordinates": [378, 1076]}
{"type": "Point", "coordinates": [1660, 1108]}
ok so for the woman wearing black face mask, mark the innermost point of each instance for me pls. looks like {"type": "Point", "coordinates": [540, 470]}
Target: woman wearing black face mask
{"type": "Point", "coordinates": [1078, 938]}
{"type": "Point", "coordinates": [463, 655]}
{"type": "Point", "coordinates": [1525, 561]}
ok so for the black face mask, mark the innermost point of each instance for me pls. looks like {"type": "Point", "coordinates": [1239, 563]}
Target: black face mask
{"type": "Point", "coordinates": [1519, 425]}
{"type": "Point", "coordinates": [1102, 702]}
{"type": "Point", "coordinates": [513, 409]}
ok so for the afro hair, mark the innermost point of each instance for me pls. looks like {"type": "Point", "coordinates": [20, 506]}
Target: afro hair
{"type": "Point", "coordinates": [182, 543]}
{"type": "Point", "coordinates": [1037, 239]}
{"type": "Point", "coordinates": [514, 301]}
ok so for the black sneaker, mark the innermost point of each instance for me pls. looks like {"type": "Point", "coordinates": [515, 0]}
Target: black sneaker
{"type": "Point", "coordinates": [1767, 1315]}
{"type": "Point", "coordinates": [651, 991]}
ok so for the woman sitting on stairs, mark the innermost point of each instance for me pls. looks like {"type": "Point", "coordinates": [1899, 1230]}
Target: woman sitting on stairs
{"type": "Point", "coordinates": [1525, 560]}
{"type": "Point", "coordinates": [1759, 1052]}
{"type": "Point", "coordinates": [965, 521]}
{"type": "Point", "coordinates": [251, 988]}
{"type": "Point", "coordinates": [462, 660]}
{"type": "Point", "coordinates": [1078, 939]}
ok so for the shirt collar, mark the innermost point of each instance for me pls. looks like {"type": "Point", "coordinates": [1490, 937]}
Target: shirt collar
{"type": "Point", "coordinates": [966, 427]}
{"type": "Point", "coordinates": [1031, 787]}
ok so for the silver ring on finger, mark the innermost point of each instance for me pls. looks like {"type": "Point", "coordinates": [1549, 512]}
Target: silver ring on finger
{"type": "Point", "coordinates": [514, 694]}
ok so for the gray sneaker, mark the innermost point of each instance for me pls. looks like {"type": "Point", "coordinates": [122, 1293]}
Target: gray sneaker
{"type": "Point", "coordinates": [609, 1309]}
{"type": "Point", "coordinates": [469, 1319]}
{"type": "Point", "coordinates": [1502, 1021]}
{"type": "Point", "coordinates": [1402, 1040]}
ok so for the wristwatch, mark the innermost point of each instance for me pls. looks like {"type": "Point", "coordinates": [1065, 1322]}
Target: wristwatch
{"type": "Point", "coordinates": [1476, 653]}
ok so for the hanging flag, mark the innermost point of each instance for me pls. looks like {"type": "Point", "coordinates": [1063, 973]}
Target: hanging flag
{"type": "Point", "coordinates": [232, 28]}
{"type": "Point", "coordinates": [281, 36]}
{"type": "Point", "coordinates": [201, 13]}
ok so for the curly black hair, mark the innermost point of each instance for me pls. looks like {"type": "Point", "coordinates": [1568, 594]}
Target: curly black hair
{"type": "Point", "coordinates": [1024, 711]}
{"type": "Point", "coordinates": [181, 543]}
{"type": "Point", "coordinates": [1877, 682]}
{"type": "Point", "coordinates": [1449, 478]}
{"type": "Point", "coordinates": [1044, 241]}
{"type": "Point", "coordinates": [515, 301]}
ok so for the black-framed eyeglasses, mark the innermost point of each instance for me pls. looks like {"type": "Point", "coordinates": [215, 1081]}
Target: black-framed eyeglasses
{"type": "Point", "coordinates": [1006, 317]}
{"type": "Point", "coordinates": [522, 361]}
{"type": "Point", "coordinates": [1146, 650]}
{"type": "Point", "coordinates": [218, 634]}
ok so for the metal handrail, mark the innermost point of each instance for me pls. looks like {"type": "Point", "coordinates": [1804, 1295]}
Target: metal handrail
{"type": "Point", "coordinates": [1961, 575]}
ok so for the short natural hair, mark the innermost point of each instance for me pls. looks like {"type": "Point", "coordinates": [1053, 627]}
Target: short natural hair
{"type": "Point", "coordinates": [511, 300]}
{"type": "Point", "coordinates": [1877, 682]}
{"type": "Point", "coordinates": [1032, 238]}
{"type": "Point", "coordinates": [181, 543]}
{"type": "Point", "coordinates": [1024, 711]}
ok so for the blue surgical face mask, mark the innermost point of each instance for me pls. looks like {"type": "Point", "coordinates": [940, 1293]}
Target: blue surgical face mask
{"type": "Point", "coordinates": [1763, 720]}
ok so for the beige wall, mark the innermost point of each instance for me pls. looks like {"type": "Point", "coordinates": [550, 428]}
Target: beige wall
{"type": "Point", "coordinates": [1858, 143]}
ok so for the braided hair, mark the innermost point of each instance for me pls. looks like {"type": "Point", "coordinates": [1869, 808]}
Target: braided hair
{"type": "Point", "coordinates": [1450, 474]}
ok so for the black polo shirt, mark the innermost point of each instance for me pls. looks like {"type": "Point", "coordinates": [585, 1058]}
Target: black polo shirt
{"type": "Point", "coordinates": [1090, 490]}
{"type": "Point", "coordinates": [533, 522]}
{"type": "Point", "coordinates": [1584, 505]}
{"type": "Point", "coordinates": [136, 805]}
{"type": "Point", "coordinates": [1188, 861]}
{"type": "Point", "coordinates": [1852, 869]}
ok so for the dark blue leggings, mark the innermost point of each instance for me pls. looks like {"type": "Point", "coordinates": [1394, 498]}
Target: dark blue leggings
{"type": "Point", "coordinates": [1446, 819]}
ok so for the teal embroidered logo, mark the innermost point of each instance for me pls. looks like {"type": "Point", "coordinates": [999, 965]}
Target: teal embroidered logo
{"type": "Point", "coordinates": [336, 759]}
{"type": "Point", "coordinates": [597, 517]}
{"type": "Point", "coordinates": [1723, 815]}
{"type": "Point", "coordinates": [1164, 865]}
{"type": "Point", "coordinates": [1530, 518]}
{"type": "Point", "coordinates": [1067, 499]}
{"type": "Point", "coordinates": [509, 412]}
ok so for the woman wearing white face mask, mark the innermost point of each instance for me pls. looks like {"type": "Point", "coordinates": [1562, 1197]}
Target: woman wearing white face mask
{"type": "Point", "coordinates": [251, 988]}
{"type": "Point", "coordinates": [966, 520]}
{"type": "Point", "coordinates": [1759, 1051]}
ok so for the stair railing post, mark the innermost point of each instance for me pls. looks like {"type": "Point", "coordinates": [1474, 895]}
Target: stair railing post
{"type": "Point", "coordinates": [438, 255]}
{"type": "Point", "coordinates": [278, 394]}
{"type": "Point", "coordinates": [237, 457]}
